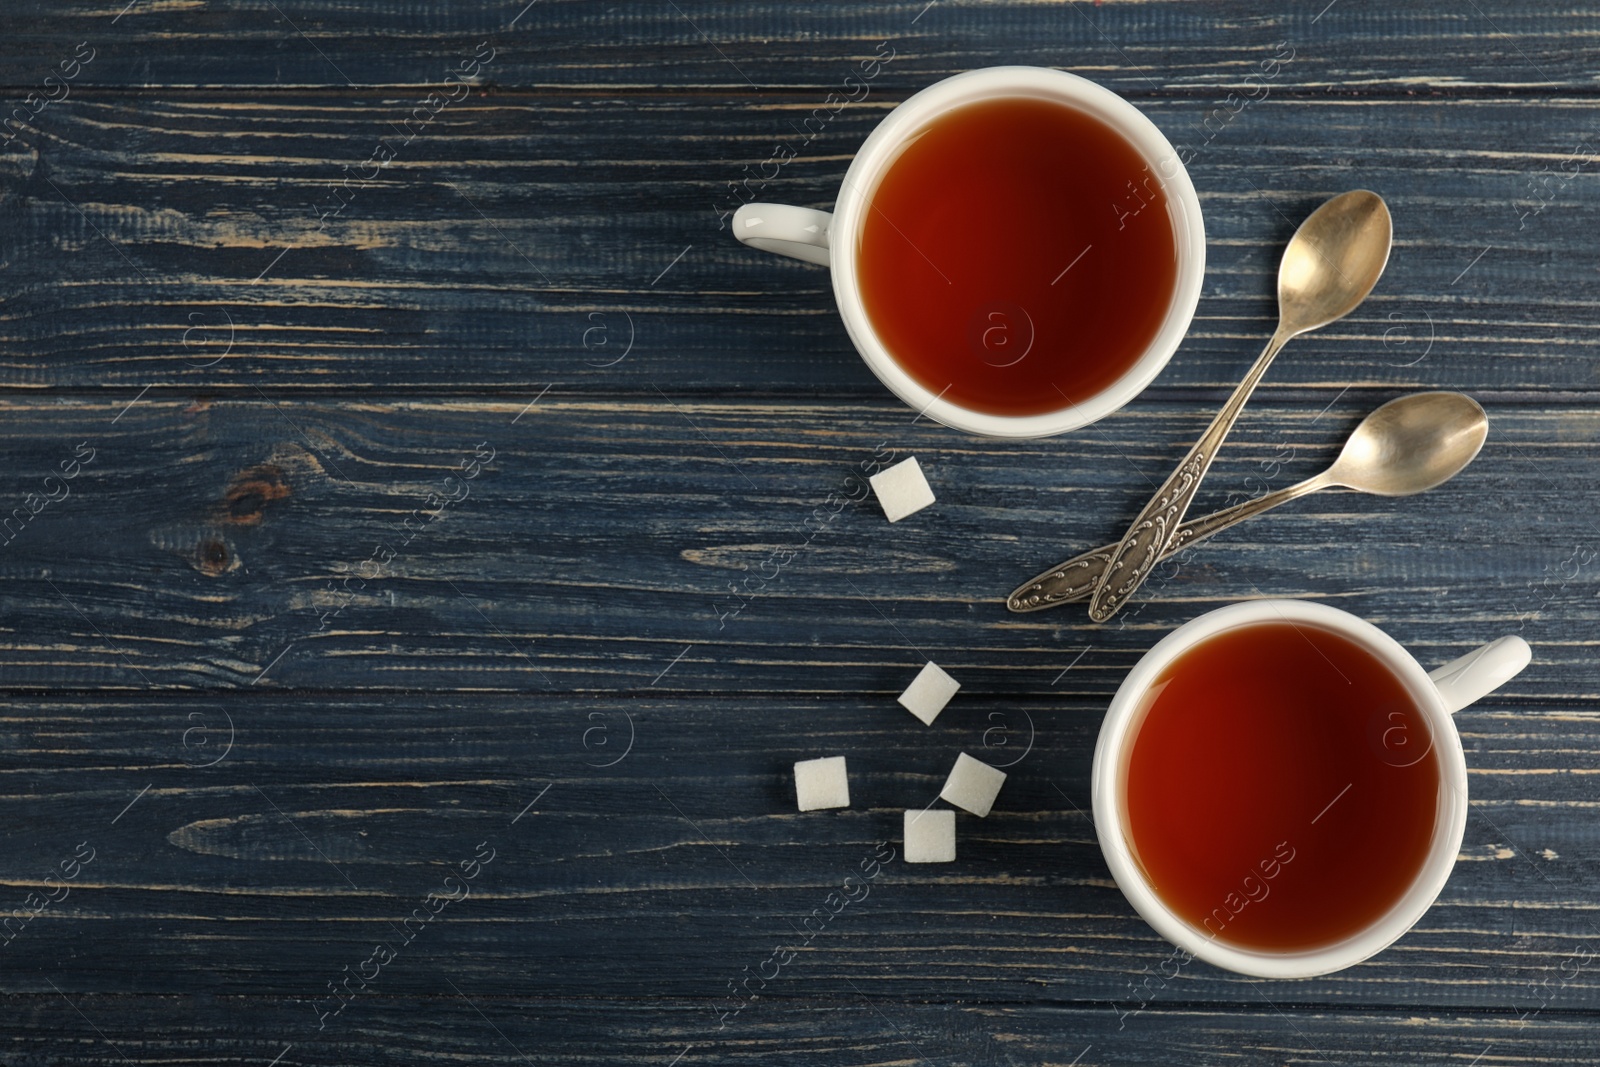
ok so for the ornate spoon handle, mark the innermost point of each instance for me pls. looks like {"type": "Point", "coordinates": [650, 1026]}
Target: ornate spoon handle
{"type": "Point", "coordinates": [1077, 578]}
{"type": "Point", "coordinates": [1142, 546]}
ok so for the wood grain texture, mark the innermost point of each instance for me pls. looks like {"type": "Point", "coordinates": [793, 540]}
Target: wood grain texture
{"type": "Point", "coordinates": [478, 1025]}
{"type": "Point", "coordinates": [1169, 47]}
{"type": "Point", "coordinates": [510, 507]}
{"type": "Point", "coordinates": [647, 845]}
{"type": "Point", "coordinates": [606, 540]}
{"type": "Point", "coordinates": [178, 239]}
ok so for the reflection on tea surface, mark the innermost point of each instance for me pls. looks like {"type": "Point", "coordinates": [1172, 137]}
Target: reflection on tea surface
{"type": "Point", "coordinates": [1018, 256]}
{"type": "Point", "coordinates": [1282, 787]}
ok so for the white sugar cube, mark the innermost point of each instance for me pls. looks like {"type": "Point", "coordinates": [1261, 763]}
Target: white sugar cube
{"type": "Point", "coordinates": [931, 836]}
{"type": "Point", "coordinates": [821, 783]}
{"type": "Point", "coordinates": [902, 490]}
{"type": "Point", "coordinates": [928, 693]}
{"type": "Point", "coordinates": [972, 785]}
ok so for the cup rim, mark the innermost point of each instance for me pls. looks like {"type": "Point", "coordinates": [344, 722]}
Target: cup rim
{"type": "Point", "coordinates": [1133, 124]}
{"type": "Point", "coordinates": [1449, 828]}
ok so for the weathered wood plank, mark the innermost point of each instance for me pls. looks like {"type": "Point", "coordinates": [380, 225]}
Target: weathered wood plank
{"type": "Point", "coordinates": [176, 239]}
{"type": "Point", "coordinates": [486, 1024]}
{"type": "Point", "coordinates": [312, 545]}
{"type": "Point", "coordinates": [647, 847]}
{"type": "Point", "coordinates": [1139, 48]}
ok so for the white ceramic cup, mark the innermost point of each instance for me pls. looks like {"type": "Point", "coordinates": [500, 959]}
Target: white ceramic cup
{"type": "Point", "coordinates": [1440, 694]}
{"type": "Point", "coordinates": [830, 239]}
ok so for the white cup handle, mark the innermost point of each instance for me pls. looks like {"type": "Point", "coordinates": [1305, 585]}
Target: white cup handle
{"type": "Point", "coordinates": [796, 232]}
{"type": "Point", "coordinates": [1480, 672]}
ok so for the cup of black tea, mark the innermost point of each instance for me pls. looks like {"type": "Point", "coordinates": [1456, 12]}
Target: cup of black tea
{"type": "Point", "coordinates": [1016, 251]}
{"type": "Point", "coordinates": [1279, 788]}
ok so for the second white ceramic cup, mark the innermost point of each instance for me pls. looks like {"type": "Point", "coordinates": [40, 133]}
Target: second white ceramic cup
{"type": "Point", "coordinates": [1439, 694]}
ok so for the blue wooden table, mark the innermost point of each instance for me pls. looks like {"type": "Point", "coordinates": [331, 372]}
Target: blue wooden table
{"type": "Point", "coordinates": [396, 442]}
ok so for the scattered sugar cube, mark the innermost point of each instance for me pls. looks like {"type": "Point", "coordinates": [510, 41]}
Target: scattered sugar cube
{"type": "Point", "coordinates": [972, 785]}
{"type": "Point", "coordinates": [931, 836]}
{"type": "Point", "coordinates": [902, 490]}
{"type": "Point", "coordinates": [821, 783]}
{"type": "Point", "coordinates": [928, 693]}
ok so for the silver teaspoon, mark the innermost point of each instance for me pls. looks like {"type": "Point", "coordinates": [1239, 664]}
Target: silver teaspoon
{"type": "Point", "coordinates": [1409, 445]}
{"type": "Point", "coordinates": [1330, 265]}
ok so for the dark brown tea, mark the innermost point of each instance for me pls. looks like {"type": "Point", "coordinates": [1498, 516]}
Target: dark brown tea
{"type": "Point", "coordinates": [1018, 256]}
{"type": "Point", "coordinates": [1282, 787]}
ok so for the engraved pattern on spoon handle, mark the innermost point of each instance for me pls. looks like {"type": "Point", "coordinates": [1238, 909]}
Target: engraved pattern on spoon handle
{"type": "Point", "coordinates": [1077, 578]}
{"type": "Point", "coordinates": [1142, 546]}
